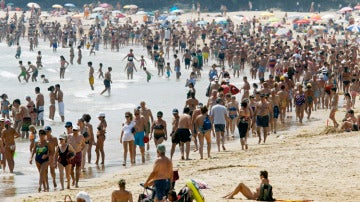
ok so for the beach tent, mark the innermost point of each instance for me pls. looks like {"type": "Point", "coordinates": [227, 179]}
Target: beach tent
{"type": "Point", "coordinates": [131, 6]}
{"type": "Point", "coordinates": [57, 6]}
{"type": "Point", "coordinates": [97, 9]}
{"type": "Point", "coordinates": [32, 4]}
{"type": "Point", "coordinates": [354, 28]}
{"type": "Point", "coordinates": [71, 5]}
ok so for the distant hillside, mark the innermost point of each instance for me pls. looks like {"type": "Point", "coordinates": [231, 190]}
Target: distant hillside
{"type": "Point", "coordinates": [210, 5]}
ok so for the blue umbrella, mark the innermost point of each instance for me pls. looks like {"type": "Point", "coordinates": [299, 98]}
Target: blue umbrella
{"type": "Point", "coordinates": [69, 5]}
{"type": "Point", "coordinates": [353, 28]}
{"type": "Point", "coordinates": [173, 8]}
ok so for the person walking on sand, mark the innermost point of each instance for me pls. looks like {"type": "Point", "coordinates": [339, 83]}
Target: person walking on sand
{"type": "Point", "coordinates": [182, 135]}
{"type": "Point", "coordinates": [242, 188]}
{"type": "Point", "coordinates": [127, 137]}
{"type": "Point", "coordinates": [140, 126]}
{"type": "Point", "coordinates": [219, 116]}
{"type": "Point", "coordinates": [77, 141]}
{"type": "Point", "coordinates": [261, 113]}
{"type": "Point", "coordinates": [40, 103]}
{"type": "Point", "coordinates": [147, 114]}
{"type": "Point", "coordinates": [91, 75]}
{"type": "Point", "coordinates": [203, 126]}
{"type": "Point", "coordinates": [52, 143]}
{"type": "Point", "coordinates": [158, 129]}
{"type": "Point", "coordinates": [52, 97]}
{"type": "Point", "coordinates": [100, 135]}
{"type": "Point", "coordinates": [90, 129]}
{"type": "Point", "coordinates": [122, 194]}
{"type": "Point", "coordinates": [334, 106]}
{"type": "Point", "coordinates": [64, 153]}
{"type": "Point", "coordinates": [59, 96]}
{"type": "Point", "coordinates": [162, 174]}
{"type": "Point", "coordinates": [107, 81]}
{"type": "Point", "coordinates": [63, 65]}
{"type": "Point", "coordinates": [8, 135]}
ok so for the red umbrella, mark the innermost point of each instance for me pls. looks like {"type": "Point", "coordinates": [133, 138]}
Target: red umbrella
{"type": "Point", "coordinates": [303, 21]}
{"type": "Point", "coordinates": [120, 16]}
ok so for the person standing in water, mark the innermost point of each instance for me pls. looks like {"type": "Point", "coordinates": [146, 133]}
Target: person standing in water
{"type": "Point", "coordinates": [59, 96]}
{"type": "Point", "coordinates": [63, 65]}
{"type": "Point", "coordinates": [91, 75]}
{"type": "Point", "coordinates": [8, 135]}
{"type": "Point", "coordinates": [107, 81]}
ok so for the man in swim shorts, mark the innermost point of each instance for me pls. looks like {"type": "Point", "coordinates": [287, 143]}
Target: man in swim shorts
{"type": "Point", "coordinates": [39, 107]}
{"type": "Point", "coordinates": [91, 75]}
{"type": "Point", "coordinates": [219, 115]}
{"type": "Point", "coordinates": [107, 81]}
{"type": "Point", "coordinates": [162, 174]}
{"type": "Point", "coordinates": [262, 112]}
{"type": "Point", "coordinates": [59, 96]}
{"type": "Point", "coordinates": [77, 141]}
{"type": "Point", "coordinates": [183, 134]}
{"type": "Point", "coordinates": [140, 125]}
{"type": "Point", "coordinates": [147, 114]}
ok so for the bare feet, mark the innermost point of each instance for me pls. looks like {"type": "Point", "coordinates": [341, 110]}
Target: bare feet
{"type": "Point", "coordinates": [223, 147]}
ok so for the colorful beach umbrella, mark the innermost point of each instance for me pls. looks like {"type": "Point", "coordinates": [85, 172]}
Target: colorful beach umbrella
{"type": "Point", "coordinates": [57, 6]}
{"type": "Point", "coordinates": [354, 28]}
{"type": "Point", "coordinates": [32, 4]}
{"type": "Point", "coordinates": [105, 5]}
{"type": "Point", "coordinates": [346, 9]}
{"type": "Point", "coordinates": [70, 5]}
{"type": "Point", "coordinates": [132, 6]}
{"type": "Point", "coordinates": [357, 7]}
{"type": "Point", "coordinates": [97, 9]}
{"type": "Point", "coordinates": [303, 21]}
{"type": "Point", "coordinates": [177, 11]}
{"type": "Point", "coordinates": [119, 15]}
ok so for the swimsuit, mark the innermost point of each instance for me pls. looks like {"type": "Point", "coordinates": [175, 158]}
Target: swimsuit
{"type": "Point", "coordinates": [40, 152]}
{"type": "Point", "coordinates": [63, 156]}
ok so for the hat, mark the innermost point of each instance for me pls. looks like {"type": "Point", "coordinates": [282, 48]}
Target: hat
{"type": "Point", "coordinates": [76, 128]}
{"type": "Point", "coordinates": [159, 113]}
{"type": "Point", "coordinates": [62, 136]}
{"type": "Point", "coordinates": [146, 139]}
{"type": "Point", "coordinates": [47, 128]}
{"type": "Point", "coordinates": [83, 195]}
{"type": "Point", "coordinates": [68, 124]}
{"type": "Point", "coordinates": [161, 148]}
{"type": "Point", "coordinates": [7, 122]}
{"type": "Point", "coordinates": [101, 114]}
{"type": "Point", "coordinates": [2, 120]}
{"type": "Point", "coordinates": [175, 111]}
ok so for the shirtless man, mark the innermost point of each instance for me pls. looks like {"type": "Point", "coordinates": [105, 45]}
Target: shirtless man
{"type": "Point", "coordinates": [237, 64]}
{"type": "Point", "coordinates": [38, 60]}
{"type": "Point", "coordinates": [275, 100]}
{"type": "Point", "coordinates": [52, 143]}
{"type": "Point", "coordinates": [246, 191]}
{"type": "Point", "coordinates": [72, 54]}
{"type": "Point", "coordinates": [59, 96]}
{"type": "Point", "coordinates": [91, 75]}
{"type": "Point", "coordinates": [262, 112]}
{"type": "Point", "coordinates": [77, 141]}
{"type": "Point", "coordinates": [107, 81]}
{"type": "Point", "coordinates": [39, 107]}
{"type": "Point", "coordinates": [129, 69]}
{"type": "Point", "coordinates": [52, 96]}
{"type": "Point", "coordinates": [21, 114]}
{"type": "Point", "coordinates": [174, 139]}
{"type": "Point", "coordinates": [32, 69]}
{"type": "Point", "coordinates": [309, 100]}
{"type": "Point", "coordinates": [192, 102]}
{"type": "Point", "coordinates": [282, 102]}
{"type": "Point", "coordinates": [194, 116]}
{"type": "Point", "coordinates": [8, 135]}
{"type": "Point", "coordinates": [121, 195]}
{"type": "Point", "coordinates": [140, 125]}
{"type": "Point", "coordinates": [246, 88]}
{"type": "Point", "coordinates": [182, 134]}
{"type": "Point", "coordinates": [147, 114]}
{"type": "Point", "coordinates": [23, 72]}
{"type": "Point", "coordinates": [162, 174]}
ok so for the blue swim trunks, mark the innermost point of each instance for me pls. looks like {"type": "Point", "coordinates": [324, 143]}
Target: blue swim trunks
{"type": "Point", "coordinates": [162, 187]}
{"type": "Point", "coordinates": [139, 138]}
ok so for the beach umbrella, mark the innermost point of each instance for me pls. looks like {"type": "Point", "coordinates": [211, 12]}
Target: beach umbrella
{"type": "Point", "coordinates": [141, 13]}
{"type": "Point", "coordinates": [315, 17]}
{"type": "Point", "coordinates": [357, 7]}
{"type": "Point", "coordinates": [354, 28]}
{"type": "Point", "coordinates": [282, 32]}
{"type": "Point", "coordinates": [32, 4]}
{"type": "Point", "coordinates": [273, 19]}
{"type": "Point", "coordinates": [327, 17]}
{"type": "Point", "coordinates": [105, 5]}
{"type": "Point", "coordinates": [275, 24]}
{"type": "Point", "coordinates": [172, 17]}
{"type": "Point", "coordinates": [303, 21]}
{"type": "Point", "coordinates": [202, 22]}
{"type": "Point", "coordinates": [346, 9]}
{"type": "Point", "coordinates": [131, 6]}
{"type": "Point", "coordinates": [56, 6]}
{"type": "Point", "coordinates": [94, 15]}
{"type": "Point", "coordinates": [97, 9]}
{"type": "Point", "coordinates": [294, 17]}
{"type": "Point", "coordinates": [177, 11]}
{"type": "Point", "coordinates": [173, 8]}
{"type": "Point", "coordinates": [119, 15]}
{"type": "Point", "coordinates": [267, 14]}
{"type": "Point", "coordinates": [70, 5]}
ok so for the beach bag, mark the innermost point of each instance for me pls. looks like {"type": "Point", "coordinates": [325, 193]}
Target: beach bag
{"type": "Point", "coordinates": [207, 123]}
{"type": "Point", "coordinates": [265, 193]}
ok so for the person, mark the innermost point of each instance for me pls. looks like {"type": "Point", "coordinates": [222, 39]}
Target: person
{"type": "Point", "coordinates": [52, 143]}
{"type": "Point", "coordinates": [219, 116]}
{"type": "Point", "coordinates": [5, 106]}
{"type": "Point", "coordinates": [39, 107]}
{"type": "Point", "coordinates": [72, 54]}
{"type": "Point", "coordinates": [79, 55]}
{"type": "Point", "coordinates": [203, 125]}
{"type": "Point", "coordinates": [148, 74]}
{"type": "Point", "coordinates": [127, 137]}
{"type": "Point", "coordinates": [63, 65]}
{"type": "Point", "coordinates": [52, 108]}
{"type": "Point", "coordinates": [334, 106]}
{"type": "Point", "coordinates": [25, 74]}
{"type": "Point", "coordinates": [44, 80]}
{"type": "Point", "coordinates": [158, 129]}
{"type": "Point", "coordinates": [175, 124]}
{"type": "Point", "coordinates": [147, 114]}
{"type": "Point", "coordinates": [244, 124]}
{"type": "Point", "coordinates": [21, 118]}
{"type": "Point", "coordinates": [100, 135]}
{"type": "Point", "coordinates": [162, 174]}
{"type": "Point", "coordinates": [8, 135]}
{"type": "Point", "coordinates": [77, 141]}
{"type": "Point", "coordinates": [107, 81]}
{"type": "Point", "coordinates": [84, 132]}
{"type": "Point", "coordinates": [242, 188]}
{"type": "Point", "coordinates": [129, 69]}
{"type": "Point", "coordinates": [350, 122]}
{"type": "Point", "coordinates": [38, 60]}
{"type": "Point", "coordinates": [121, 195]}
{"type": "Point", "coordinates": [100, 72]}
{"type": "Point", "coordinates": [59, 96]}
{"type": "Point", "coordinates": [177, 67]}
{"type": "Point", "coordinates": [140, 126]}
{"type": "Point", "coordinates": [261, 113]}
{"type": "Point", "coordinates": [83, 197]}
{"type": "Point", "coordinates": [18, 51]}
{"type": "Point", "coordinates": [34, 70]}
{"type": "Point", "coordinates": [182, 135]}
{"type": "Point", "coordinates": [89, 127]}
{"type": "Point", "coordinates": [91, 75]}
{"type": "Point", "coordinates": [64, 153]}
{"type": "Point", "coordinates": [42, 159]}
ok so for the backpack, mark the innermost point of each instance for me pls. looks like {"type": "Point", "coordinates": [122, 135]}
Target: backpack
{"type": "Point", "coordinates": [265, 193]}
{"type": "Point", "coordinates": [207, 123]}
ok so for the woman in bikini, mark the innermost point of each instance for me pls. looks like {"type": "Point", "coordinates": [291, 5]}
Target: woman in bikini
{"type": "Point", "coordinates": [244, 124]}
{"type": "Point", "coordinates": [158, 129]}
{"type": "Point", "coordinates": [41, 152]}
{"type": "Point", "coordinates": [233, 112]}
{"type": "Point", "coordinates": [64, 152]}
{"type": "Point", "coordinates": [63, 65]}
{"type": "Point", "coordinates": [101, 131]}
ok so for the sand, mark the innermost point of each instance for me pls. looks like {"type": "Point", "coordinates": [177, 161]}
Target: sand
{"type": "Point", "coordinates": [305, 162]}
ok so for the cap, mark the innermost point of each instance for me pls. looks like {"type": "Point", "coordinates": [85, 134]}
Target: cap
{"type": "Point", "coordinates": [101, 114]}
{"type": "Point", "coordinates": [76, 128]}
{"type": "Point", "coordinates": [159, 113]}
{"type": "Point", "coordinates": [47, 128]}
{"type": "Point", "coordinates": [62, 136]}
{"type": "Point", "coordinates": [175, 111]}
{"type": "Point", "coordinates": [161, 148]}
{"type": "Point", "coordinates": [68, 124]}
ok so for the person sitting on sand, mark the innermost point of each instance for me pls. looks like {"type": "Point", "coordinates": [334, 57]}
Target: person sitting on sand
{"type": "Point", "coordinates": [121, 195]}
{"type": "Point", "coordinates": [246, 190]}
{"type": "Point", "coordinates": [350, 122]}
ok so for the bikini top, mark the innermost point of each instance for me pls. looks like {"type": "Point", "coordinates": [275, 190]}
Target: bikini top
{"type": "Point", "coordinates": [158, 126]}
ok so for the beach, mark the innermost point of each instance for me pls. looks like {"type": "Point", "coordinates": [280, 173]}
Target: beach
{"type": "Point", "coordinates": [309, 161]}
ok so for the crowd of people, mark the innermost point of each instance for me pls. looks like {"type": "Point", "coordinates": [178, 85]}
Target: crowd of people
{"type": "Point", "coordinates": [304, 74]}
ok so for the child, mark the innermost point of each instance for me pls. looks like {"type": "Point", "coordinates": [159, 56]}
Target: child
{"type": "Point", "coordinates": [101, 75]}
{"type": "Point", "coordinates": [5, 109]}
{"type": "Point", "coordinates": [92, 50]}
{"type": "Point", "coordinates": [148, 74]}
{"type": "Point", "coordinates": [142, 62]}
{"type": "Point", "coordinates": [88, 45]}
{"type": "Point", "coordinates": [45, 80]}
{"type": "Point", "coordinates": [168, 70]}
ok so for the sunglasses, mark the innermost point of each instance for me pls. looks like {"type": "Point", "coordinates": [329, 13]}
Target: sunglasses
{"type": "Point", "coordinates": [127, 116]}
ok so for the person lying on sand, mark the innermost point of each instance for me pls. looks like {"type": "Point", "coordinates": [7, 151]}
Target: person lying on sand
{"type": "Point", "coordinates": [246, 190]}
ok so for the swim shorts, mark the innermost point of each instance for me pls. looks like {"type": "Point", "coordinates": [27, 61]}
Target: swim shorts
{"type": "Point", "coordinates": [139, 138]}
{"type": "Point", "coordinates": [162, 187]}
{"type": "Point", "coordinates": [219, 127]}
